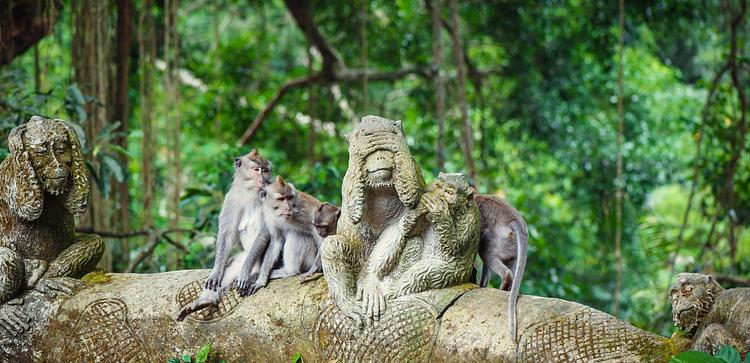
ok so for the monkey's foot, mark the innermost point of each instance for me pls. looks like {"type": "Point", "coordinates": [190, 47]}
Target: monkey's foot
{"type": "Point", "coordinates": [247, 287]}
{"type": "Point", "coordinates": [14, 322]}
{"type": "Point", "coordinates": [310, 276]}
{"type": "Point", "coordinates": [184, 312]}
{"type": "Point", "coordinates": [214, 281]}
{"type": "Point", "coordinates": [54, 285]}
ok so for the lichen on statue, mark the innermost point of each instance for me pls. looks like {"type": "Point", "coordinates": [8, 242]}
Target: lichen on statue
{"type": "Point", "coordinates": [711, 316]}
{"type": "Point", "coordinates": [43, 185]}
{"type": "Point", "coordinates": [382, 185]}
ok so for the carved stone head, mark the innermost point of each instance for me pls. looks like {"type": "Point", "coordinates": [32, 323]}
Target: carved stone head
{"type": "Point", "coordinates": [45, 157]}
{"type": "Point", "coordinates": [692, 297]}
{"type": "Point", "coordinates": [453, 186]}
{"type": "Point", "coordinates": [379, 158]}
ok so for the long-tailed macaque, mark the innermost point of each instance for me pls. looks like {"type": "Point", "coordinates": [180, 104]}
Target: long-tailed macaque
{"type": "Point", "coordinates": [288, 231]}
{"type": "Point", "coordinates": [503, 246]}
{"type": "Point", "coordinates": [240, 220]}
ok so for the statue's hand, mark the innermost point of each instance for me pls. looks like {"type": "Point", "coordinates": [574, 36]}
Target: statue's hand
{"type": "Point", "coordinates": [372, 300]}
{"type": "Point", "coordinates": [214, 281]}
{"type": "Point", "coordinates": [54, 285]}
{"type": "Point", "coordinates": [35, 269]}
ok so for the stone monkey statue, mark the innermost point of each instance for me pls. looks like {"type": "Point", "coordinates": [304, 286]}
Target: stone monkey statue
{"type": "Point", "coordinates": [382, 184]}
{"type": "Point", "coordinates": [288, 231]}
{"type": "Point", "coordinates": [240, 221]}
{"type": "Point", "coordinates": [503, 247]}
{"type": "Point", "coordinates": [43, 185]}
{"type": "Point", "coordinates": [712, 316]}
{"type": "Point", "coordinates": [448, 204]}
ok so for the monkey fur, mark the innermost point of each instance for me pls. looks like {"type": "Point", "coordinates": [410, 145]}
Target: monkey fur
{"type": "Point", "coordinates": [240, 221]}
{"type": "Point", "coordinates": [503, 248]}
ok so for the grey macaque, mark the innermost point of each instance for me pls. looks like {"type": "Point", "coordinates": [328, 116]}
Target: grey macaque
{"type": "Point", "coordinates": [240, 220]}
{"type": "Point", "coordinates": [326, 217]}
{"type": "Point", "coordinates": [287, 232]}
{"type": "Point", "coordinates": [503, 246]}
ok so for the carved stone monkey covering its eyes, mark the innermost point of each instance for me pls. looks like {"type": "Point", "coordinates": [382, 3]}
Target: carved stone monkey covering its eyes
{"type": "Point", "coordinates": [43, 185]}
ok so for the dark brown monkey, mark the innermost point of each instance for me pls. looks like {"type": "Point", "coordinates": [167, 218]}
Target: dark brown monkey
{"type": "Point", "coordinates": [503, 246]}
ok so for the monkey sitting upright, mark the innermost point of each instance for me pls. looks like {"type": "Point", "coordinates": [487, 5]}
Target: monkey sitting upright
{"type": "Point", "coordinates": [288, 231]}
{"type": "Point", "coordinates": [240, 220]}
{"type": "Point", "coordinates": [503, 246]}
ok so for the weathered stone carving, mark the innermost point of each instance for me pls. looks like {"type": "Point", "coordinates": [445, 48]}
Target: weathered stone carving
{"type": "Point", "coordinates": [368, 260]}
{"type": "Point", "coordinates": [103, 333]}
{"type": "Point", "coordinates": [43, 184]}
{"type": "Point", "coordinates": [714, 317]}
{"type": "Point", "coordinates": [457, 324]}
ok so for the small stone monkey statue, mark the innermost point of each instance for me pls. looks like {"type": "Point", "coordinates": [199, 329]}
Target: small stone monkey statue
{"type": "Point", "coordinates": [712, 316]}
{"type": "Point", "coordinates": [43, 185]}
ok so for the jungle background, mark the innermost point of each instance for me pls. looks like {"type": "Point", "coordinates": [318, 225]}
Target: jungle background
{"type": "Point", "coordinates": [618, 130]}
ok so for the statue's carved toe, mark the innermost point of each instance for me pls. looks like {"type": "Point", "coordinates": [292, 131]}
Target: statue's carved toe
{"type": "Point", "coordinates": [54, 285]}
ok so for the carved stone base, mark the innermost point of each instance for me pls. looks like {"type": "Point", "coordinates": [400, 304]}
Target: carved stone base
{"type": "Point", "coordinates": [132, 319]}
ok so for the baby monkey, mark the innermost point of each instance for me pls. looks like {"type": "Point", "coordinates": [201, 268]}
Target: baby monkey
{"type": "Point", "coordinates": [326, 218]}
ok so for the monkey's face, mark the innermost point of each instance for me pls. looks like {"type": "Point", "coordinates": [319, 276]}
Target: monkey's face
{"type": "Point", "coordinates": [326, 219]}
{"type": "Point", "coordinates": [253, 170]}
{"type": "Point", "coordinates": [51, 156]}
{"type": "Point", "coordinates": [281, 197]}
{"type": "Point", "coordinates": [692, 297]}
{"type": "Point", "coordinates": [453, 187]}
{"type": "Point", "coordinates": [379, 168]}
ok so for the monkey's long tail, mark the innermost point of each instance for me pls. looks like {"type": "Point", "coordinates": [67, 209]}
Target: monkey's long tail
{"type": "Point", "coordinates": [522, 242]}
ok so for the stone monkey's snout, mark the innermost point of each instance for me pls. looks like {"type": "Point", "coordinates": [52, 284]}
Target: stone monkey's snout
{"type": "Point", "coordinates": [379, 165]}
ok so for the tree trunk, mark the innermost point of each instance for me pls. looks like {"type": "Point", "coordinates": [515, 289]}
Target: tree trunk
{"type": "Point", "coordinates": [620, 182]}
{"type": "Point", "coordinates": [147, 56]}
{"type": "Point", "coordinates": [121, 111]}
{"type": "Point", "coordinates": [467, 132]}
{"type": "Point", "coordinates": [24, 23]}
{"type": "Point", "coordinates": [437, 79]}
{"type": "Point", "coordinates": [91, 56]}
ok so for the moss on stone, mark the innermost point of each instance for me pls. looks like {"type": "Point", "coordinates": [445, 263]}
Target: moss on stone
{"type": "Point", "coordinates": [96, 277]}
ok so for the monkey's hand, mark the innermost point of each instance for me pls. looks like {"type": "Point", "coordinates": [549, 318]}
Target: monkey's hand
{"type": "Point", "coordinates": [214, 281]}
{"type": "Point", "coordinates": [371, 298]}
{"type": "Point", "coordinates": [54, 285]}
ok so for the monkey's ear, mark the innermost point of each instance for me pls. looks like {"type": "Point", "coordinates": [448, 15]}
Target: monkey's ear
{"type": "Point", "coordinates": [77, 200]}
{"type": "Point", "coordinates": [24, 194]}
{"type": "Point", "coordinates": [280, 181]}
{"type": "Point", "coordinates": [254, 154]}
{"type": "Point", "coordinates": [338, 213]}
{"type": "Point", "coordinates": [237, 162]}
{"type": "Point", "coordinates": [320, 207]}
{"type": "Point", "coordinates": [399, 125]}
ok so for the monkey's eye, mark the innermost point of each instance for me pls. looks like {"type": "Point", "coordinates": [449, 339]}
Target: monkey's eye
{"type": "Point", "coordinates": [687, 289]}
{"type": "Point", "coordinates": [60, 149]}
{"type": "Point", "coordinates": [41, 150]}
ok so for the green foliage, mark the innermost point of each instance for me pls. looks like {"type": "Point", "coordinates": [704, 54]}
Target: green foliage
{"type": "Point", "coordinates": [204, 355]}
{"type": "Point", "coordinates": [297, 358]}
{"type": "Point", "coordinates": [726, 354]}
